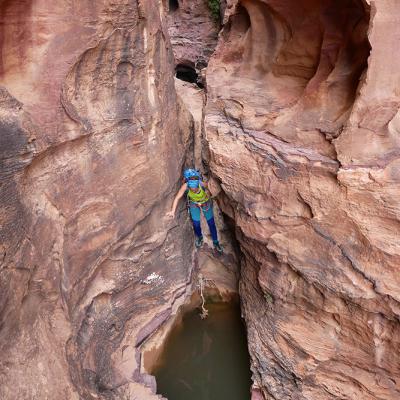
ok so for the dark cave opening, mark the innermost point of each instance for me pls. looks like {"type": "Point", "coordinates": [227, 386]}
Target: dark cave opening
{"type": "Point", "coordinates": [188, 74]}
{"type": "Point", "coordinates": [173, 5]}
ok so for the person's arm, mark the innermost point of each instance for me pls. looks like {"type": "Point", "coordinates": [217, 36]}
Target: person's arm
{"type": "Point", "coordinates": [178, 196]}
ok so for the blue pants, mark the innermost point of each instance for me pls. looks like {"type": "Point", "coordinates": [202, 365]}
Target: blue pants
{"type": "Point", "coordinates": [207, 209]}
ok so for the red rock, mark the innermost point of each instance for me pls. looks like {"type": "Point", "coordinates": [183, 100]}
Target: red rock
{"type": "Point", "coordinates": [256, 394]}
{"type": "Point", "coordinates": [301, 124]}
{"type": "Point", "coordinates": [193, 32]}
{"type": "Point", "coordinates": [92, 157]}
{"type": "Point", "coordinates": [301, 137]}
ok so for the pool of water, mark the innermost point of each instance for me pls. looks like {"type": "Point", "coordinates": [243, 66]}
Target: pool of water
{"type": "Point", "coordinates": [206, 359]}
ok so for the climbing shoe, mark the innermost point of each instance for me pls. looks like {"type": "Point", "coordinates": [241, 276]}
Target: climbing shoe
{"type": "Point", "coordinates": [218, 247]}
{"type": "Point", "coordinates": [198, 242]}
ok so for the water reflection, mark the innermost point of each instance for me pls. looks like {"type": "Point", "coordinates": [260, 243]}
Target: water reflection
{"type": "Point", "coordinates": [206, 359]}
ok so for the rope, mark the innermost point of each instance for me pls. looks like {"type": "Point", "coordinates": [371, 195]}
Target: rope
{"type": "Point", "coordinates": [201, 285]}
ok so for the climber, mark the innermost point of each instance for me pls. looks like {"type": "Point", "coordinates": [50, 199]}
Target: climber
{"type": "Point", "coordinates": [197, 199]}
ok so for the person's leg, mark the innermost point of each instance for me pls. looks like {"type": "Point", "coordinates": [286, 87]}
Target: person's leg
{"type": "Point", "coordinates": [195, 215]}
{"type": "Point", "coordinates": [209, 214]}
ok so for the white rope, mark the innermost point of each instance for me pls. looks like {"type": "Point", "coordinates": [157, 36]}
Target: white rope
{"type": "Point", "coordinates": [201, 285]}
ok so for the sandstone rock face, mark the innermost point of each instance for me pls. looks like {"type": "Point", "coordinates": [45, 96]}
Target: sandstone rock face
{"type": "Point", "coordinates": [91, 155]}
{"type": "Point", "coordinates": [302, 125]}
{"type": "Point", "coordinates": [193, 31]}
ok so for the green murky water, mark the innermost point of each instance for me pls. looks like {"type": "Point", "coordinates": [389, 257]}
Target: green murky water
{"type": "Point", "coordinates": [206, 359]}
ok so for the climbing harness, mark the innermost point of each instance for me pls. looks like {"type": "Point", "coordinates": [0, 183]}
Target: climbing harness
{"type": "Point", "coordinates": [205, 207]}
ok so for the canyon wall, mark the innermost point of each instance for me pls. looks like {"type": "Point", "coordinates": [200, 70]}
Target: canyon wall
{"type": "Point", "coordinates": [92, 153]}
{"type": "Point", "coordinates": [302, 126]}
{"type": "Point", "coordinates": [193, 31]}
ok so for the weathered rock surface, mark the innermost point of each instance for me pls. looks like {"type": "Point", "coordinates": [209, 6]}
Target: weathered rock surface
{"type": "Point", "coordinates": [193, 31]}
{"type": "Point", "coordinates": [302, 129]}
{"type": "Point", "coordinates": [91, 155]}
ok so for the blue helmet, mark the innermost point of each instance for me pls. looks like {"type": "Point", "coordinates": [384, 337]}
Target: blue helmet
{"type": "Point", "coordinates": [191, 173]}
{"type": "Point", "coordinates": [193, 183]}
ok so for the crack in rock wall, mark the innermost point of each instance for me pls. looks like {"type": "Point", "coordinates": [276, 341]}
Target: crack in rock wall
{"type": "Point", "coordinates": [301, 125]}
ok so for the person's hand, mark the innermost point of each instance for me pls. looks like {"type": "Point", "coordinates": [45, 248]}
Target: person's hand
{"type": "Point", "coordinates": [170, 214]}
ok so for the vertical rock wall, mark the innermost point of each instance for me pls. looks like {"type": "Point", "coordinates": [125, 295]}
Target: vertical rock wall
{"type": "Point", "coordinates": [91, 155]}
{"type": "Point", "coordinates": [193, 31]}
{"type": "Point", "coordinates": [302, 126]}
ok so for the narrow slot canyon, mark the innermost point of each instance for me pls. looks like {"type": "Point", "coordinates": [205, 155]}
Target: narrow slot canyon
{"type": "Point", "coordinates": [290, 111]}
